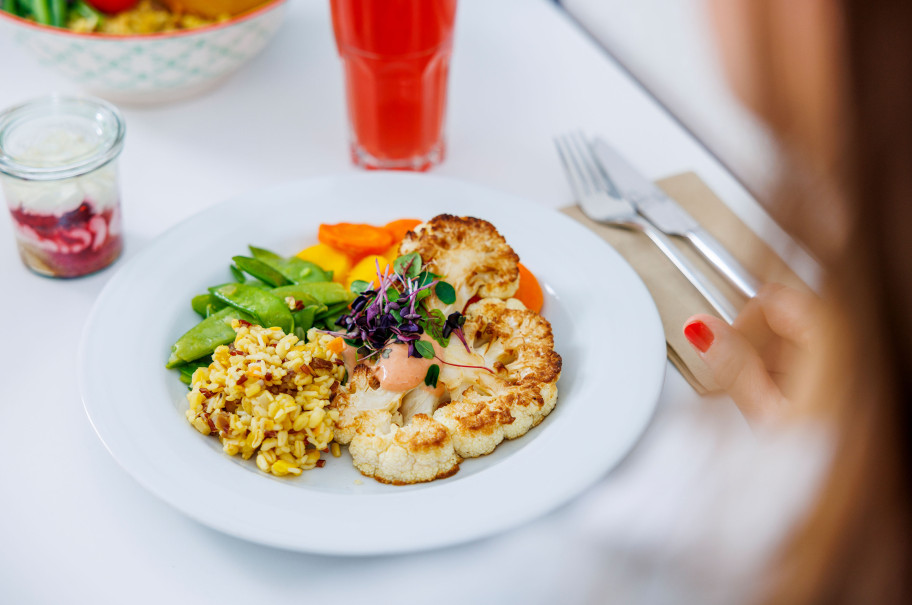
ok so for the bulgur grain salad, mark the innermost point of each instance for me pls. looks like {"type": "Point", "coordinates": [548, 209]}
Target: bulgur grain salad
{"type": "Point", "coordinates": [267, 394]}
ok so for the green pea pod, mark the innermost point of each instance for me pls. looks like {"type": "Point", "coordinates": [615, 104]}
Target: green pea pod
{"type": "Point", "coordinates": [300, 292]}
{"type": "Point", "coordinates": [260, 270]}
{"type": "Point", "coordinates": [186, 371]}
{"type": "Point", "coordinates": [206, 304]}
{"type": "Point", "coordinates": [263, 254]}
{"type": "Point", "coordinates": [327, 293]}
{"type": "Point", "coordinates": [335, 310]}
{"type": "Point", "coordinates": [304, 320]}
{"type": "Point", "coordinates": [293, 268]}
{"type": "Point", "coordinates": [237, 274]}
{"type": "Point", "coordinates": [204, 337]}
{"type": "Point", "coordinates": [267, 309]}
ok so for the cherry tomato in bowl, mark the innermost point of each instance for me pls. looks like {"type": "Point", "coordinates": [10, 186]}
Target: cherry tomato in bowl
{"type": "Point", "coordinates": [113, 6]}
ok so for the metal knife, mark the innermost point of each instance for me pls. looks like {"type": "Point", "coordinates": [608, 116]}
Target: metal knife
{"type": "Point", "coordinates": [668, 216]}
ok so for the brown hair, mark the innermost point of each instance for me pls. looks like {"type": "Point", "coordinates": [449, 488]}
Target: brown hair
{"type": "Point", "coordinates": [856, 543]}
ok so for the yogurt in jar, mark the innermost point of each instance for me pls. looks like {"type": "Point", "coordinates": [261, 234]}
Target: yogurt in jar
{"type": "Point", "coordinates": [59, 179]}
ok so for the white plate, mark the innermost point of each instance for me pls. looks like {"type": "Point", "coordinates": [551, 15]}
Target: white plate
{"type": "Point", "coordinates": [606, 329]}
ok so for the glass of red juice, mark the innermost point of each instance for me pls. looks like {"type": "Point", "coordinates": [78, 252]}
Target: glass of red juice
{"type": "Point", "coordinates": [396, 57]}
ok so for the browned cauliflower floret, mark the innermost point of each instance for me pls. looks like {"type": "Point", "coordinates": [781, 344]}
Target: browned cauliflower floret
{"type": "Point", "coordinates": [362, 393]}
{"type": "Point", "coordinates": [469, 253]}
{"type": "Point", "coordinates": [519, 346]}
{"type": "Point", "coordinates": [497, 386]}
{"type": "Point", "coordinates": [420, 451]}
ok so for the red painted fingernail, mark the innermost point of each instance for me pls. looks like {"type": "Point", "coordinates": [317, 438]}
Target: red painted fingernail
{"type": "Point", "coordinates": [699, 335]}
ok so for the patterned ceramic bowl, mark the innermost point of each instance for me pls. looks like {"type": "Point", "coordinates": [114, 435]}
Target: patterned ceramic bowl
{"type": "Point", "coordinates": [151, 68]}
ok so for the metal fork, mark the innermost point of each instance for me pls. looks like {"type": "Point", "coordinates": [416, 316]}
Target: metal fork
{"type": "Point", "coordinates": [603, 204]}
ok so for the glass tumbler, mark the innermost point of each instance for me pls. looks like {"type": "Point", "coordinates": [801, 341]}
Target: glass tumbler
{"type": "Point", "coordinates": [58, 174]}
{"type": "Point", "coordinates": [396, 58]}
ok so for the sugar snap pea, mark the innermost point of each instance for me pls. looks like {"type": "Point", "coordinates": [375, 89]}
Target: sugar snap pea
{"type": "Point", "coordinates": [204, 337]}
{"type": "Point", "coordinates": [300, 292]}
{"type": "Point", "coordinates": [333, 310]}
{"type": "Point", "coordinates": [237, 274]}
{"type": "Point", "coordinates": [293, 268]}
{"type": "Point", "coordinates": [186, 371]}
{"type": "Point", "coordinates": [328, 293]}
{"type": "Point", "coordinates": [304, 320]}
{"type": "Point", "coordinates": [206, 304]}
{"type": "Point", "coordinates": [260, 270]}
{"type": "Point", "coordinates": [267, 309]}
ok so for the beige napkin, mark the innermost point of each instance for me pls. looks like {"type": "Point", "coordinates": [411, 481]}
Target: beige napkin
{"type": "Point", "coordinates": [674, 296]}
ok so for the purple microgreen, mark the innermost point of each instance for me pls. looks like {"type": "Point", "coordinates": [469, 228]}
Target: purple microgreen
{"type": "Point", "coordinates": [461, 337]}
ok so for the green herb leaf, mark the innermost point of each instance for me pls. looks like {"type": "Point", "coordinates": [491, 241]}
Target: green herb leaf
{"type": "Point", "coordinates": [425, 349]}
{"type": "Point", "coordinates": [385, 353]}
{"type": "Point", "coordinates": [408, 265]}
{"type": "Point", "coordinates": [359, 285]}
{"type": "Point", "coordinates": [433, 326]}
{"type": "Point", "coordinates": [433, 373]}
{"type": "Point", "coordinates": [445, 292]}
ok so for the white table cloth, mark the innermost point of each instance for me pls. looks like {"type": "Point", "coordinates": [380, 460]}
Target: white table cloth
{"type": "Point", "coordinates": [74, 527]}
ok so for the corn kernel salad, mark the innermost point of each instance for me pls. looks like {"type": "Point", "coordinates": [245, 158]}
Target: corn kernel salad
{"type": "Point", "coordinates": [267, 394]}
{"type": "Point", "coordinates": [147, 17]}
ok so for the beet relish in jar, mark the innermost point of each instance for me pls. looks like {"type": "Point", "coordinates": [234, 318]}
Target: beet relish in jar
{"type": "Point", "coordinates": [58, 174]}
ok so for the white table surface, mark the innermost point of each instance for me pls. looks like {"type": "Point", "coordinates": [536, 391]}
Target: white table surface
{"type": "Point", "coordinates": [74, 527]}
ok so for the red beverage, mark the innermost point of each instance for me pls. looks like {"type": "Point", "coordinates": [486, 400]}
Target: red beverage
{"type": "Point", "coordinates": [396, 56]}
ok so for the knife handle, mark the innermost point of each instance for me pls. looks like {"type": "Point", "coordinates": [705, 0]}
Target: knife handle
{"type": "Point", "coordinates": [712, 295]}
{"type": "Point", "coordinates": [730, 268]}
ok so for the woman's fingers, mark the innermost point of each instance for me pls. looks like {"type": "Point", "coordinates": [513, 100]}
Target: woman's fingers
{"type": "Point", "coordinates": [736, 366]}
{"type": "Point", "coordinates": [777, 312]}
{"type": "Point", "coordinates": [789, 313]}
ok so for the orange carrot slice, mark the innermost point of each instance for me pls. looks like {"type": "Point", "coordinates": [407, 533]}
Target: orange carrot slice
{"type": "Point", "coordinates": [355, 239]}
{"type": "Point", "coordinates": [335, 345]}
{"type": "Point", "coordinates": [400, 227]}
{"type": "Point", "coordinates": [529, 292]}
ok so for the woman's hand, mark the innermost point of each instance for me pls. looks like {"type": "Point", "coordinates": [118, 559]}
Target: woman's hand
{"type": "Point", "coordinates": [753, 358]}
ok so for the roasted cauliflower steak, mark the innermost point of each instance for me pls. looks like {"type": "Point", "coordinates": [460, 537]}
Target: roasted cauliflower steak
{"type": "Point", "coordinates": [518, 346]}
{"type": "Point", "coordinates": [497, 385]}
{"type": "Point", "coordinates": [472, 255]}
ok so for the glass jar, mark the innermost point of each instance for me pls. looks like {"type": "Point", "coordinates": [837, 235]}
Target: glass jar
{"type": "Point", "coordinates": [58, 174]}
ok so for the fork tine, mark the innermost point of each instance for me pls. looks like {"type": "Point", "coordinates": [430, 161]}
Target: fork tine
{"type": "Point", "coordinates": [587, 158]}
{"type": "Point", "coordinates": [571, 167]}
